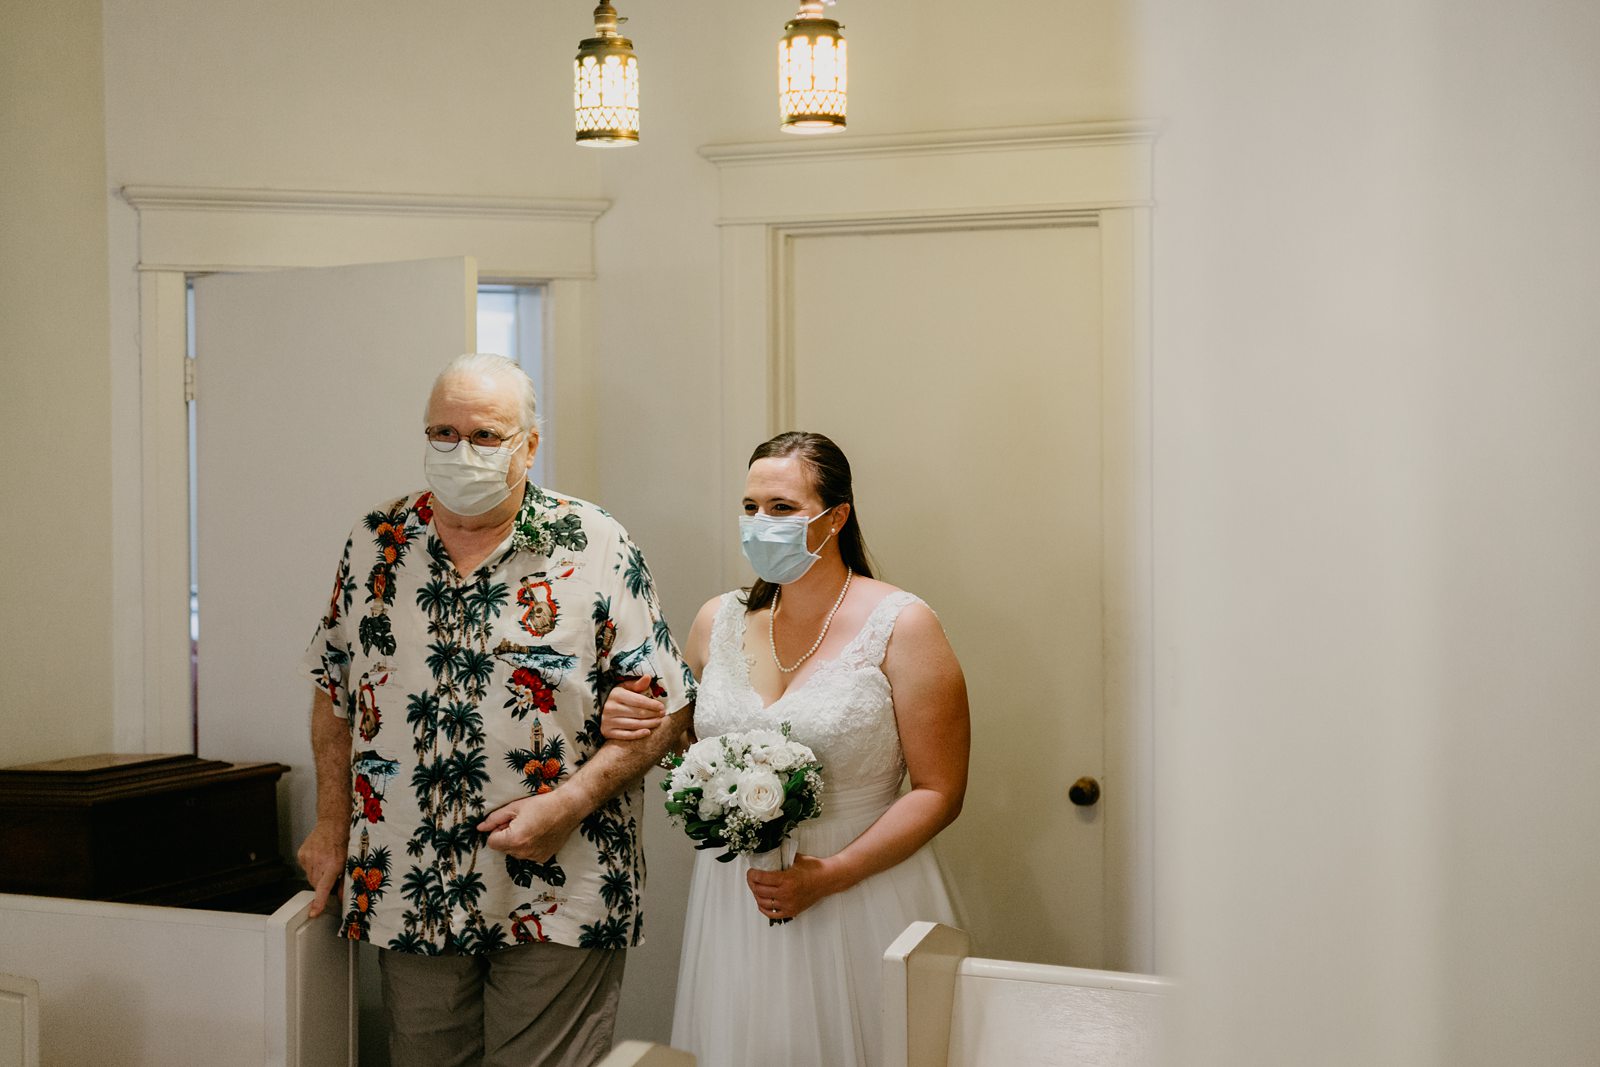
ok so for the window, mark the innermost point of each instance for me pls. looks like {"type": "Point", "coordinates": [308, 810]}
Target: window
{"type": "Point", "coordinates": [511, 324]}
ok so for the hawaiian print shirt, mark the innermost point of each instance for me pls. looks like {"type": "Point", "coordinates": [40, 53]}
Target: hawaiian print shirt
{"type": "Point", "coordinates": [464, 693]}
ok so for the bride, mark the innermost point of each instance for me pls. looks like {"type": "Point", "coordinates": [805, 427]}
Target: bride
{"type": "Point", "coordinates": [864, 675]}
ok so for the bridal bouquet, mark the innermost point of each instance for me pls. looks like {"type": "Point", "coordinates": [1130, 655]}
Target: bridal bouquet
{"type": "Point", "coordinates": [743, 792]}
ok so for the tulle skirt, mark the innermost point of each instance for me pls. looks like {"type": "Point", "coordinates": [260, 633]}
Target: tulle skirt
{"type": "Point", "coordinates": [805, 993]}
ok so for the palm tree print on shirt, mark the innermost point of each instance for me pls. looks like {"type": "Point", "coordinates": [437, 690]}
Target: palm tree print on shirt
{"type": "Point", "coordinates": [451, 770]}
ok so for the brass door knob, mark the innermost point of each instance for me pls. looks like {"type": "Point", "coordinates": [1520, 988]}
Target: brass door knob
{"type": "Point", "coordinates": [1084, 792]}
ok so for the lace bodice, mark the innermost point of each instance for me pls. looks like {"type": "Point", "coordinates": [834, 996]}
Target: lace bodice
{"type": "Point", "coordinates": [843, 709]}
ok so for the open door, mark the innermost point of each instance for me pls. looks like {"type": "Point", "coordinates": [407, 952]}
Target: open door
{"type": "Point", "coordinates": [310, 390]}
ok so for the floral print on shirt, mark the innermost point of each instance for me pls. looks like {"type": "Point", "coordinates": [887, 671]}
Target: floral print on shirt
{"type": "Point", "coordinates": [465, 692]}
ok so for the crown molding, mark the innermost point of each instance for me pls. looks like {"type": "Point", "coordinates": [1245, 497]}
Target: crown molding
{"type": "Point", "coordinates": [197, 229]}
{"type": "Point", "coordinates": [993, 173]}
{"type": "Point", "coordinates": [979, 216]}
{"type": "Point", "coordinates": [932, 143]}
{"type": "Point", "coordinates": [308, 201]}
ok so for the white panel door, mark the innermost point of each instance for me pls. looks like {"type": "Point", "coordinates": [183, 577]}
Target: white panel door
{"type": "Point", "coordinates": [960, 370]}
{"type": "Point", "coordinates": [311, 386]}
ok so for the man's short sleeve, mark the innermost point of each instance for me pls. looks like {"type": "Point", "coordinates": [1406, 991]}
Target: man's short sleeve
{"type": "Point", "coordinates": [327, 658]}
{"type": "Point", "coordinates": [643, 642]}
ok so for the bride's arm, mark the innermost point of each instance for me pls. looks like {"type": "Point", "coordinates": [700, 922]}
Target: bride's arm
{"type": "Point", "coordinates": [930, 707]}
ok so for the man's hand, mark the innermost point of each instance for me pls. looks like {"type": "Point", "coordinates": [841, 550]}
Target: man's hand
{"type": "Point", "coordinates": [322, 856]}
{"type": "Point", "coordinates": [533, 828]}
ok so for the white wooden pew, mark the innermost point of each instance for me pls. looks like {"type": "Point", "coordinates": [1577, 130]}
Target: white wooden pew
{"type": "Point", "coordinates": [140, 986]}
{"type": "Point", "coordinates": [943, 1008]}
{"type": "Point", "coordinates": [646, 1054]}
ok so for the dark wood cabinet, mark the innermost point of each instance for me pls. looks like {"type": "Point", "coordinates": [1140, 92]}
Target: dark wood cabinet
{"type": "Point", "coordinates": [144, 829]}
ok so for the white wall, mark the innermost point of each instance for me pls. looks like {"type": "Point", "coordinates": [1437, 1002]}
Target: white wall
{"type": "Point", "coordinates": [400, 97]}
{"type": "Point", "coordinates": [55, 611]}
{"type": "Point", "coordinates": [1378, 587]}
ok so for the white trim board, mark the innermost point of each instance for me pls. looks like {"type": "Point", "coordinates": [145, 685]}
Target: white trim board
{"type": "Point", "coordinates": [1016, 171]}
{"type": "Point", "coordinates": [204, 229]}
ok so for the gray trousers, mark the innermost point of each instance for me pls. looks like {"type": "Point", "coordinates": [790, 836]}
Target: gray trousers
{"type": "Point", "coordinates": [538, 1005]}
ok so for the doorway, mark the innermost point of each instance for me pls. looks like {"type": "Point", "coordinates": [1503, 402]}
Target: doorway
{"type": "Point", "coordinates": [509, 321]}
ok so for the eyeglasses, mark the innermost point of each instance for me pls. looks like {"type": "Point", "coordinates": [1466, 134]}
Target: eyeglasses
{"type": "Point", "coordinates": [484, 442]}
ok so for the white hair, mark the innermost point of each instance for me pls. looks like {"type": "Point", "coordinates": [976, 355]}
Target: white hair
{"type": "Point", "coordinates": [500, 368]}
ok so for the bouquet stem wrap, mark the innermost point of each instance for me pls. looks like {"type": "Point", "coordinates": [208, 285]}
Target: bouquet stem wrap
{"type": "Point", "coordinates": [775, 859]}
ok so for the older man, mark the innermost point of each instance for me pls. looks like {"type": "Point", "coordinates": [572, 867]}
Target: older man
{"type": "Point", "coordinates": [473, 633]}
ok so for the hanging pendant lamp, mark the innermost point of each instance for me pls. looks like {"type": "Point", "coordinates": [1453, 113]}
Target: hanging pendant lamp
{"type": "Point", "coordinates": [811, 72]}
{"type": "Point", "coordinates": [605, 85]}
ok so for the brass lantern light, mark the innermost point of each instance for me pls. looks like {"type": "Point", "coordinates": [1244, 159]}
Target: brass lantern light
{"type": "Point", "coordinates": [811, 72]}
{"type": "Point", "coordinates": [605, 85]}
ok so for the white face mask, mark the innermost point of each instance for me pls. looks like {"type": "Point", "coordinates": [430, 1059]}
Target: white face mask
{"type": "Point", "coordinates": [775, 545]}
{"type": "Point", "coordinates": [466, 481]}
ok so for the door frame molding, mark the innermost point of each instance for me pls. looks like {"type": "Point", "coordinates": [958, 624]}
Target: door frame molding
{"type": "Point", "coordinates": [183, 231]}
{"type": "Point", "coordinates": [1086, 174]}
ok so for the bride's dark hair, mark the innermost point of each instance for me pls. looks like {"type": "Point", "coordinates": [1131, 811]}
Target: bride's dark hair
{"type": "Point", "coordinates": [830, 478]}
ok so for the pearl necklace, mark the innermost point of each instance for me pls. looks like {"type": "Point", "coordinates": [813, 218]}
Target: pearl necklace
{"type": "Point", "coordinates": [773, 619]}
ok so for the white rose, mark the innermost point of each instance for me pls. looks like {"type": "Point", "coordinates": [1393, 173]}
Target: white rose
{"type": "Point", "coordinates": [760, 794]}
{"type": "Point", "coordinates": [708, 749]}
{"type": "Point", "coordinates": [792, 755]}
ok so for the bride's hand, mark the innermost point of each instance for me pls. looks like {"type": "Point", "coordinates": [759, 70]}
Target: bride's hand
{"type": "Point", "coordinates": [785, 894]}
{"type": "Point", "coordinates": [630, 711]}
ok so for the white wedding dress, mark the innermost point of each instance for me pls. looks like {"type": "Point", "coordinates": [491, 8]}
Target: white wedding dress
{"type": "Point", "coordinates": [805, 993]}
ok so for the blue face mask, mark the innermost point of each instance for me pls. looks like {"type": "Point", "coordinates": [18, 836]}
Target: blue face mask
{"type": "Point", "coordinates": [775, 545]}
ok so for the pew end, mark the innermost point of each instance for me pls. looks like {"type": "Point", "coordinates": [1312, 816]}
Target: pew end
{"type": "Point", "coordinates": [646, 1054]}
{"type": "Point", "coordinates": [945, 1008]}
